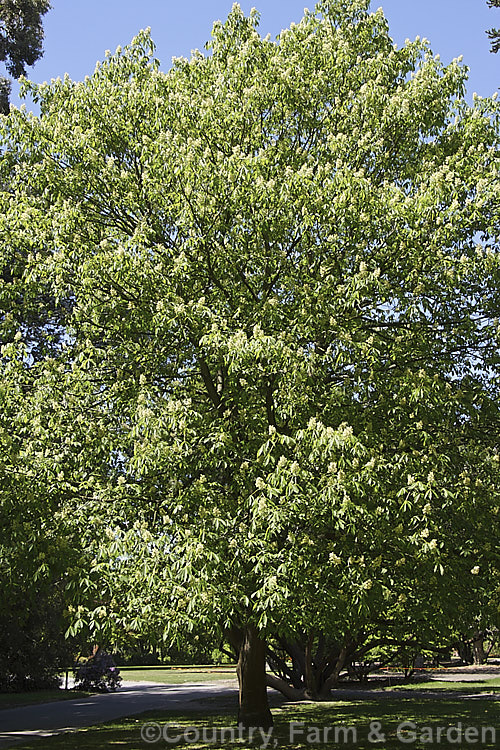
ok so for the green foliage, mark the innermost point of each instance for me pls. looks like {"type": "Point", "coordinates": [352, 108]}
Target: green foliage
{"type": "Point", "coordinates": [5, 88]}
{"type": "Point", "coordinates": [33, 650]}
{"type": "Point", "coordinates": [99, 672]}
{"type": "Point", "coordinates": [21, 33]}
{"type": "Point", "coordinates": [494, 34]}
{"type": "Point", "coordinates": [194, 648]}
{"type": "Point", "coordinates": [35, 551]}
{"type": "Point", "coordinates": [21, 37]}
{"type": "Point", "coordinates": [278, 400]}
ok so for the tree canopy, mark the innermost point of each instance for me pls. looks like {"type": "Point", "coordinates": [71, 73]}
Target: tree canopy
{"type": "Point", "coordinates": [494, 34]}
{"type": "Point", "coordinates": [275, 405]}
{"type": "Point", "coordinates": [21, 37]}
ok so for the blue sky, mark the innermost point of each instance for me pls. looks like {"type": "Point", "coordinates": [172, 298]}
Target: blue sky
{"type": "Point", "coordinates": [78, 32]}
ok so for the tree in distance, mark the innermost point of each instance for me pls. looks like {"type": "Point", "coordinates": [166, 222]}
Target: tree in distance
{"type": "Point", "coordinates": [494, 34]}
{"type": "Point", "coordinates": [275, 411]}
{"type": "Point", "coordinates": [21, 37]}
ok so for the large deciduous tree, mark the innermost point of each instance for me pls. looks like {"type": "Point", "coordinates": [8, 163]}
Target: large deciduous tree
{"type": "Point", "coordinates": [282, 344]}
{"type": "Point", "coordinates": [21, 37]}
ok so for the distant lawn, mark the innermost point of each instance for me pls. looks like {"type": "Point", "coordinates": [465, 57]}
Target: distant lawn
{"type": "Point", "coordinates": [13, 700]}
{"type": "Point", "coordinates": [356, 716]}
{"type": "Point", "coordinates": [177, 675]}
{"type": "Point", "coordinates": [476, 686]}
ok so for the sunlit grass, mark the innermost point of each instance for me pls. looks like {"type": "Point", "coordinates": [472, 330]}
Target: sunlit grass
{"type": "Point", "coordinates": [468, 686]}
{"type": "Point", "coordinates": [173, 676]}
{"type": "Point", "coordinates": [357, 716]}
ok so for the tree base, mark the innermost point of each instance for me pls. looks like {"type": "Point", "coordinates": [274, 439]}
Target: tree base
{"type": "Point", "coordinates": [254, 711]}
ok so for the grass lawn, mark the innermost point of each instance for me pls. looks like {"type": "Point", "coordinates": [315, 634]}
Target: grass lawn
{"type": "Point", "coordinates": [354, 716]}
{"type": "Point", "coordinates": [486, 686]}
{"type": "Point", "coordinates": [172, 676]}
{"type": "Point", "coordinates": [12, 700]}
{"type": "Point", "coordinates": [176, 676]}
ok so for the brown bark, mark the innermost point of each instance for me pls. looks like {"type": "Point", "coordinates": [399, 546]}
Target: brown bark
{"type": "Point", "coordinates": [478, 648]}
{"type": "Point", "coordinates": [254, 706]}
{"type": "Point", "coordinates": [332, 681]}
{"type": "Point", "coordinates": [310, 677]}
{"type": "Point", "coordinates": [290, 692]}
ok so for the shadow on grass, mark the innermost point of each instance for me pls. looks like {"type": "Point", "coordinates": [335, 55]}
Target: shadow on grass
{"type": "Point", "coordinates": [354, 724]}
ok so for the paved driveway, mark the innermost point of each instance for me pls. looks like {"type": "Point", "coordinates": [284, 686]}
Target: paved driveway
{"type": "Point", "coordinates": [29, 722]}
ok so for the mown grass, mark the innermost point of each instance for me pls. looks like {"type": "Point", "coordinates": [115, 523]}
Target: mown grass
{"type": "Point", "coordinates": [468, 686]}
{"type": "Point", "coordinates": [177, 676]}
{"type": "Point", "coordinates": [363, 721]}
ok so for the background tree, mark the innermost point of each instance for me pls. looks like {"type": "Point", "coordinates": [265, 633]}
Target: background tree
{"type": "Point", "coordinates": [494, 34]}
{"type": "Point", "coordinates": [37, 546]}
{"type": "Point", "coordinates": [21, 37]}
{"type": "Point", "coordinates": [278, 413]}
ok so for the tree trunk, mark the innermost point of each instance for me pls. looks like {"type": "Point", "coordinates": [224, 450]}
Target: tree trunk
{"type": "Point", "coordinates": [310, 676]}
{"type": "Point", "coordinates": [254, 707]}
{"type": "Point", "coordinates": [465, 651]}
{"type": "Point", "coordinates": [478, 648]}
{"type": "Point", "coordinates": [332, 681]}
{"type": "Point", "coordinates": [418, 661]}
{"type": "Point", "coordinates": [290, 692]}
